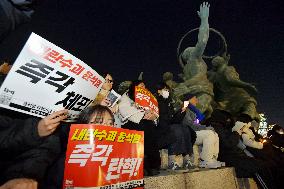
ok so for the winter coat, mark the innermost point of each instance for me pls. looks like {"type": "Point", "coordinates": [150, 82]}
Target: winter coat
{"type": "Point", "coordinates": [167, 114]}
{"type": "Point", "coordinates": [189, 120]}
{"type": "Point", "coordinates": [249, 139]}
{"type": "Point", "coordinates": [178, 138]}
{"type": "Point", "coordinates": [11, 15]}
{"type": "Point", "coordinates": [24, 154]}
{"type": "Point", "coordinates": [231, 154]}
{"type": "Point", "coordinates": [132, 118]}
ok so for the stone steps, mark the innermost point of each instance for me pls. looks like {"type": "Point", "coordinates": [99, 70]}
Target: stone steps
{"type": "Point", "coordinates": [222, 178]}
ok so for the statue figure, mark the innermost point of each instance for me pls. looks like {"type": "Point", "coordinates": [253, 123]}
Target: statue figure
{"type": "Point", "coordinates": [124, 86]}
{"type": "Point", "coordinates": [195, 69]}
{"type": "Point", "coordinates": [231, 93]}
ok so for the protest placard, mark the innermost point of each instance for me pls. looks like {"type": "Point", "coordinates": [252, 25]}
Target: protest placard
{"type": "Point", "coordinates": [45, 78]}
{"type": "Point", "coordinates": [101, 157]}
{"type": "Point", "coordinates": [144, 98]}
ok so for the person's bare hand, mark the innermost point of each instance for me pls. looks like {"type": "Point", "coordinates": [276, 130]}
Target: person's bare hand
{"type": "Point", "coordinates": [149, 115]}
{"type": "Point", "coordinates": [5, 68]}
{"type": "Point", "coordinates": [105, 102]}
{"type": "Point", "coordinates": [183, 109]}
{"type": "Point", "coordinates": [20, 183]}
{"type": "Point", "coordinates": [114, 109]}
{"type": "Point", "coordinates": [48, 125]}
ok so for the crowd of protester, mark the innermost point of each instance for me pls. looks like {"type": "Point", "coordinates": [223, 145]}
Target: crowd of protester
{"type": "Point", "coordinates": [33, 150]}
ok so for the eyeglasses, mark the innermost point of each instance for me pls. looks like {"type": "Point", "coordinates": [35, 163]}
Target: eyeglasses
{"type": "Point", "coordinates": [109, 80]}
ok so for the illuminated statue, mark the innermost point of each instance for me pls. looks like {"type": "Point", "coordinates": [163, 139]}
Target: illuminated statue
{"type": "Point", "coordinates": [231, 93]}
{"type": "Point", "coordinates": [194, 69]}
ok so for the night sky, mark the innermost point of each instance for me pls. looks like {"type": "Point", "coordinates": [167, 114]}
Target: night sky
{"type": "Point", "coordinates": [126, 37]}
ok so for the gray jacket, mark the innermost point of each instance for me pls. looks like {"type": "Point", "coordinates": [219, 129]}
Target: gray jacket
{"type": "Point", "coordinates": [189, 120]}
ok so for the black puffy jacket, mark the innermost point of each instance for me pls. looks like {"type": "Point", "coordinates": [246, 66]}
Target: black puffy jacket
{"type": "Point", "coordinates": [23, 153]}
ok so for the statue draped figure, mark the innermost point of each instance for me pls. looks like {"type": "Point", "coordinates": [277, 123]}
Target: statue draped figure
{"type": "Point", "coordinates": [231, 93]}
{"type": "Point", "coordinates": [194, 74]}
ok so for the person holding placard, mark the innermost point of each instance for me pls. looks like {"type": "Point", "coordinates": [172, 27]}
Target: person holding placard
{"type": "Point", "coordinates": [108, 97]}
{"type": "Point", "coordinates": [27, 147]}
{"type": "Point", "coordinates": [136, 117]}
{"type": "Point", "coordinates": [174, 136]}
{"type": "Point", "coordinates": [97, 114]}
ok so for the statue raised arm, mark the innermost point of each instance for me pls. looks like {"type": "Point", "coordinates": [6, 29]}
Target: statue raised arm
{"type": "Point", "coordinates": [195, 69]}
{"type": "Point", "coordinates": [192, 53]}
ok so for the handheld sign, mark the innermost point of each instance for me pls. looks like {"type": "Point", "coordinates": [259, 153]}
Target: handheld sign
{"type": "Point", "coordinates": [101, 157]}
{"type": "Point", "coordinates": [146, 100]}
{"type": "Point", "coordinates": [45, 79]}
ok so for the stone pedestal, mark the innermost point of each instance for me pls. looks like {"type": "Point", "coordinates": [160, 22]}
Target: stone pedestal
{"type": "Point", "coordinates": [223, 178]}
{"type": "Point", "coordinates": [169, 181]}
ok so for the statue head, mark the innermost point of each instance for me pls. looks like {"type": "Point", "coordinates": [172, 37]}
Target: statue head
{"type": "Point", "coordinates": [124, 86]}
{"type": "Point", "coordinates": [220, 60]}
{"type": "Point", "coordinates": [187, 53]}
{"type": "Point", "coordinates": [168, 76]}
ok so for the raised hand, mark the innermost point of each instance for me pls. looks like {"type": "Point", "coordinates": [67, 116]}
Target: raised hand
{"type": "Point", "coordinates": [48, 125]}
{"type": "Point", "coordinates": [204, 10]}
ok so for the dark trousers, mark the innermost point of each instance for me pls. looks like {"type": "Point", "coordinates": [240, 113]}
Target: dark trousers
{"type": "Point", "coordinates": [152, 158]}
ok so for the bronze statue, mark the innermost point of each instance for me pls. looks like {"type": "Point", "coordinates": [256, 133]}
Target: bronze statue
{"type": "Point", "coordinates": [231, 93]}
{"type": "Point", "coordinates": [194, 69]}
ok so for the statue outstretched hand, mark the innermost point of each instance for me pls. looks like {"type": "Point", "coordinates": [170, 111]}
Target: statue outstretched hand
{"type": "Point", "coordinates": [203, 13]}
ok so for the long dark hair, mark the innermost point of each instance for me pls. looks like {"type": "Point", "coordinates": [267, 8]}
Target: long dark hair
{"type": "Point", "coordinates": [86, 114]}
{"type": "Point", "coordinates": [131, 91]}
{"type": "Point", "coordinates": [161, 85]}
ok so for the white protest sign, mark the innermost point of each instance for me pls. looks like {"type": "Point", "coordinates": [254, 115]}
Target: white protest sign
{"type": "Point", "coordinates": [45, 78]}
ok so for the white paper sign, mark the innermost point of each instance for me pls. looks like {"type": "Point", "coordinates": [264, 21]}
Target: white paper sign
{"type": "Point", "coordinates": [113, 97]}
{"type": "Point", "coordinates": [45, 78]}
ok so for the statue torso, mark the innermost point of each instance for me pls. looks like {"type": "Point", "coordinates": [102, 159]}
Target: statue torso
{"type": "Point", "coordinates": [195, 68]}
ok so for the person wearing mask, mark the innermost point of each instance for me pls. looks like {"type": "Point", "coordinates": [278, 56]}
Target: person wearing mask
{"type": "Point", "coordinates": [173, 135]}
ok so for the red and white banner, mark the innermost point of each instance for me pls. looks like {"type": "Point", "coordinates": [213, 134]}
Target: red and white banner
{"type": "Point", "coordinates": [103, 157]}
{"type": "Point", "coordinates": [46, 78]}
{"type": "Point", "coordinates": [146, 99]}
